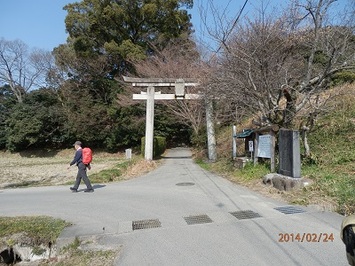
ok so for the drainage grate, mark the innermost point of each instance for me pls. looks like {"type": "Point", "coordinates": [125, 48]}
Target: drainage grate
{"type": "Point", "coordinates": [146, 224]}
{"type": "Point", "coordinates": [289, 209]}
{"type": "Point", "coordinates": [198, 219]}
{"type": "Point", "coordinates": [248, 214]}
{"type": "Point", "coordinates": [185, 184]}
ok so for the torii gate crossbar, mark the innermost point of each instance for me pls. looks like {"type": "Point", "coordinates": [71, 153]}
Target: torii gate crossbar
{"type": "Point", "coordinates": [150, 95]}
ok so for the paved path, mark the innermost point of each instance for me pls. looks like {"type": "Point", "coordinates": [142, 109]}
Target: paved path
{"type": "Point", "coordinates": [180, 214]}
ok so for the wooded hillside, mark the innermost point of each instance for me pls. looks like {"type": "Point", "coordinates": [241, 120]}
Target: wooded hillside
{"type": "Point", "coordinates": [272, 67]}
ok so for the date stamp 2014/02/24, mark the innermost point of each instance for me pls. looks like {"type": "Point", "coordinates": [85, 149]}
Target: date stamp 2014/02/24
{"type": "Point", "coordinates": [306, 237]}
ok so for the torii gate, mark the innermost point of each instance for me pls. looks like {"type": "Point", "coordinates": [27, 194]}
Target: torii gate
{"type": "Point", "coordinates": [150, 95]}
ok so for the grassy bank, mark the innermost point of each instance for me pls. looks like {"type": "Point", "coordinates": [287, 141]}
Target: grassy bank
{"type": "Point", "coordinates": [331, 169]}
{"type": "Point", "coordinates": [38, 229]}
{"type": "Point", "coordinates": [42, 231]}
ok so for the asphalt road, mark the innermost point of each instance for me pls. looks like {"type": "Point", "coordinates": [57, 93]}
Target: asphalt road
{"type": "Point", "coordinates": [180, 214]}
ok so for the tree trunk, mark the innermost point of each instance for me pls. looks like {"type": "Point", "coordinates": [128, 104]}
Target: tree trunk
{"type": "Point", "coordinates": [307, 152]}
{"type": "Point", "coordinates": [290, 110]}
{"type": "Point", "coordinates": [211, 138]}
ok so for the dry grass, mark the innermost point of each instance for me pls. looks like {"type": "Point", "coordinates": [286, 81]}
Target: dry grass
{"type": "Point", "coordinates": [140, 168]}
{"type": "Point", "coordinates": [38, 168]}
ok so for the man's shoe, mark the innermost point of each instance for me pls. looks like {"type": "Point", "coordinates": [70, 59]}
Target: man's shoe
{"type": "Point", "coordinates": [88, 190]}
{"type": "Point", "coordinates": [73, 189]}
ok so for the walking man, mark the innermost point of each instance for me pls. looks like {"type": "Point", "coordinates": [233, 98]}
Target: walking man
{"type": "Point", "coordinates": [81, 169]}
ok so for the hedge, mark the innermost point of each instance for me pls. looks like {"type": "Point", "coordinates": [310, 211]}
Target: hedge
{"type": "Point", "coordinates": [159, 146]}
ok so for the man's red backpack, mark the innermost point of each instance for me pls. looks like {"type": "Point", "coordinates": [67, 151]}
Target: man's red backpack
{"type": "Point", "coordinates": [87, 155]}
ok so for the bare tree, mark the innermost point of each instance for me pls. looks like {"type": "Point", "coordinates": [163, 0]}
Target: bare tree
{"type": "Point", "coordinates": [254, 68]}
{"type": "Point", "coordinates": [277, 67]}
{"type": "Point", "coordinates": [269, 62]}
{"type": "Point", "coordinates": [21, 69]}
{"type": "Point", "coordinates": [178, 60]}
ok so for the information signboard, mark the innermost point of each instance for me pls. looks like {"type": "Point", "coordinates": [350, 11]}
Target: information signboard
{"type": "Point", "coordinates": [264, 146]}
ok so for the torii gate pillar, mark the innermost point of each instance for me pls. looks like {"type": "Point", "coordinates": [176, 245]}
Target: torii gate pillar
{"type": "Point", "coordinates": [149, 128]}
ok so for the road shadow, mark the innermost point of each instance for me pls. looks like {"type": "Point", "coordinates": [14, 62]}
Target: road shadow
{"type": "Point", "coordinates": [98, 186]}
{"type": "Point", "coordinates": [176, 157]}
{"type": "Point", "coordinates": [94, 187]}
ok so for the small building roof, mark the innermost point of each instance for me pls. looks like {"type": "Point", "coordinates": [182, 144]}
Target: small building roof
{"type": "Point", "coordinates": [245, 133]}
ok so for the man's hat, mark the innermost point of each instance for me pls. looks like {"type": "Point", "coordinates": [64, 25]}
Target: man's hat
{"type": "Point", "coordinates": [77, 143]}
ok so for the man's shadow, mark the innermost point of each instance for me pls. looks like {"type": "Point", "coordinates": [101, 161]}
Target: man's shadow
{"type": "Point", "coordinates": [98, 186]}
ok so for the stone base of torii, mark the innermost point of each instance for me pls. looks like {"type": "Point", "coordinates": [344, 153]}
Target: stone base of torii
{"type": "Point", "coordinates": [150, 96]}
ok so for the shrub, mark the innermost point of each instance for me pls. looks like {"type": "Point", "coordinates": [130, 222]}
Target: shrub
{"type": "Point", "coordinates": [159, 146]}
{"type": "Point", "coordinates": [343, 77]}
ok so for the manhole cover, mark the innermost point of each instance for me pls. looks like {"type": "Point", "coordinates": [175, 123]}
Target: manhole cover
{"type": "Point", "coordinates": [248, 214]}
{"type": "Point", "coordinates": [198, 219]}
{"type": "Point", "coordinates": [185, 184]}
{"type": "Point", "coordinates": [146, 224]}
{"type": "Point", "coordinates": [289, 209]}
